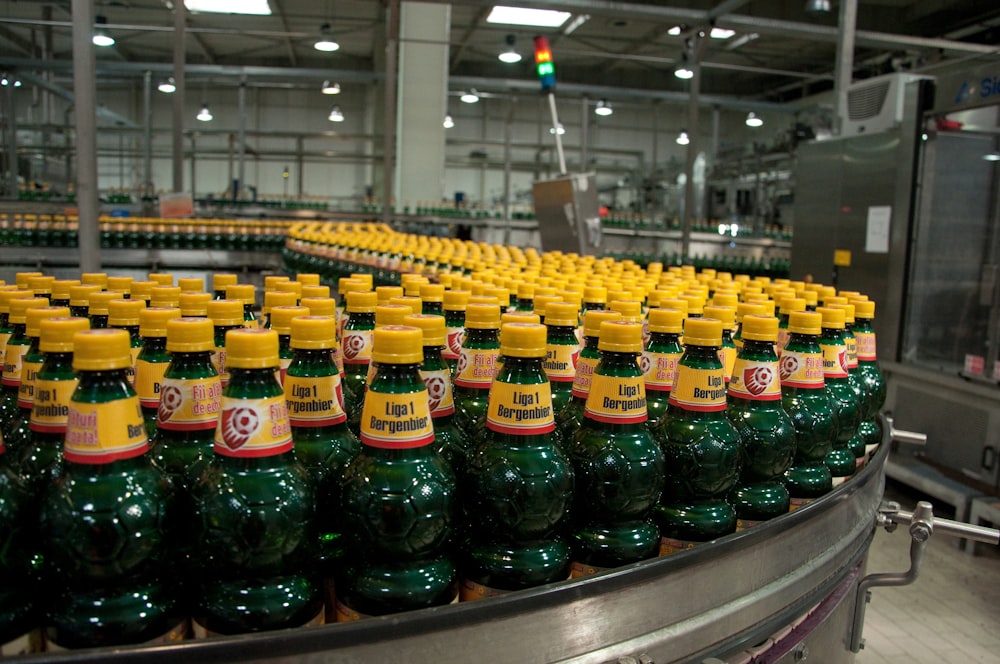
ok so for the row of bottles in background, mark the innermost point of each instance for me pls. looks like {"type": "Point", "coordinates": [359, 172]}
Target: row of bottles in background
{"type": "Point", "coordinates": [641, 222]}
{"type": "Point", "coordinates": [755, 266]}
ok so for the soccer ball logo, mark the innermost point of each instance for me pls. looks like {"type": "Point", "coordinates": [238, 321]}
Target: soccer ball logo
{"type": "Point", "coordinates": [463, 364]}
{"type": "Point", "coordinates": [455, 341]}
{"type": "Point", "coordinates": [842, 358]}
{"type": "Point", "coordinates": [353, 345]}
{"type": "Point", "coordinates": [575, 357]}
{"type": "Point", "coordinates": [170, 402]}
{"type": "Point", "coordinates": [789, 366]}
{"type": "Point", "coordinates": [645, 364]}
{"type": "Point", "coordinates": [435, 390]}
{"type": "Point", "coordinates": [757, 379]}
{"type": "Point", "coordinates": [238, 426]}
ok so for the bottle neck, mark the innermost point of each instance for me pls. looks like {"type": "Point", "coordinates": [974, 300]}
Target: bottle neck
{"type": "Point", "coordinates": [619, 364]}
{"type": "Point", "coordinates": [802, 343]}
{"type": "Point", "coordinates": [664, 341]}
{"type": "Point", "coordinates": [154, 344]}
{"type": "Point", "coordinates": [252, 383]}
{"type": "Point", "coordinates": [454, 317]}
{"type": "Point", "coordinates": [393, 377]}
{"type": "Point", "coordinates": [704, 357]}
{"type": "Point", "coordinates": [191, 361]}
{"type": "Point", "coordinates": [57, 363]}
{"type": "Point", "coordinates": [360, 320]}
{"type": "Point", "coordinates": [432, 359]}
{"type": "Point", "coordinates": [561, 334]}
{"type": "Point", "coordinates": [481, 336]}
{"type": "Point", "coordinates": [754, 349]}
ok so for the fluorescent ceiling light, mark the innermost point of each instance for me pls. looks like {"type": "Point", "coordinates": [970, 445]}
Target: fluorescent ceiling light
{"type": "Point", "coordinates": [253, 7]}
{"type": "Point", "coordinates": [682, 138]}
{"type": "Point", "coordinates": [204, 114]}
{"type": "Point", "coordinates": [168, 86]}
{"type": "Point", "coordinates": [603, 108]}
{"type": "Point", "coordinates": [993, 156]}
{"type": "Point", "coordinates": [576, 23]}
{"type": "Point", "coordinates": [331, 88]}
{"type": "Point", "coordinates": [448, 122]}
{"type": "Point", "coordinates": [539, 18]}
{"type": "Point", "coordinates": [510, 56]}
{"type": "Point", "coordinates": [336, 115]}
{"type": "Point", "coordinates": [325, 42]}
{"type": "Point", "coordinates": [102, 38]}
{"type": "Point", "coordinates": [561, 130]}
{"type": "Point", "coordinates": [683, 72]}
{"type": "Point", "coordinates": [470, 97]}
{"type": "Point", "coordinates": [753, 120]}
{"type": "Point", "coordinates": [721, 33]}
{"type": "Point", "coordinates": [675, 31]}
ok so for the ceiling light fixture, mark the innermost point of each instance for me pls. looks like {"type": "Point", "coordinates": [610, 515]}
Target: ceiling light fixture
{"type": "Point", "coordinates": [101, 36]}
{"type": "Point", "coordinates": [331, 88]}
{"type": "Point", "coordinates": [992, 156]}
{"type": "Point", "coordinates": [721, 33]}
{"type": "Point", "coordinates": [448, 122]}
{"type": "Point", "coordinates": [336, 115]}
{"type": "Point", "coordinates": [682, 138]}
{"type": "Point", "coordinates": [675, 31]}
{"type": "Point", "coordinates": [510, 56]}
{"type": "Point", "coordinates": [603, 108]}
{"type": "Point", "coordinates": [204, 114]}
{"type": "Point", "coordinates": [168, 86]}
{"type": "Point", "coordinates": [250, 7]}
{"type": "Point", "coordinates": [559, 129]}
{"type": "Point", "coordinates": [539, 18]}
{"type": "Point", "coordinates": [754, 121]}
{"type": "Point", "coordinates": [325, 42]}
{"type": "Point", "coordinates": [470, 97]}
{"type": "Point", "coordinates": [575, 24]}
{"type": "Point", "coordinates": [818, 8]}
{"type": "Point", "coordinates": [682, 72]}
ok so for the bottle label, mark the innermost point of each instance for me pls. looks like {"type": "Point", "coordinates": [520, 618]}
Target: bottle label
{"type": "Point", "coordinates": [357, 346]}
{"type": "Point", "coordinates": [4, 338]}
{"type": "Point", "coordinates": [189, 404]}
{"type": "Point", "coordinates": [783, 335]}
{"type": "Point", "coordinates": [702, 390]}
{"type": "Point", "coordinates": [476, 367]}
{"type": "Point", "coordinates": [283, 364]}
{"type": "Point", "coordinates": [866, 346]}
{"type": "Point", "coordinates": [50, 410]}
{"type": "Point", "coordinates": [453, 348]}
{"type": "Point", "coordinates": [616, 400]}
{"type": "Point", "coordinates": [834, 360]}
{"type": "Point", "coordinates": [560, 362]}
{"type": "Point", "coordinates": [727, 355]}
{"type": "Point", "coordinates": [99, 433]}
{"type": "Point", "coordinates": [470, 591]}
{"type": "Point", "coordinates": [253, 427]}
{"type": "Point", "coordinates": [315, 401]}
{"type": "Point", "coordinates": [755, 380]}
{"type": "Point", "coordinates": [219, 360]}
{"type": "Point", "coordinates": [338, 358]}
{"type": "Point", "coordinates": [837, 481]}
{"type": "Point", "coordinates": [438, 382]}
{"type": "Point", "coordinates": [659, 370]}
{"type": "Point", "coordinates": [130, 372]}
{"type": "Point", "coordinates": [578, 570]}
{"type": "Point", "coordinates": [744, 524]}
{"type": "Point", "coordinates": [670, 545]}
{"type": "Point", "coordinates": [26, 390]}
{"type": "Point", "coordinates": [801, 370]}
{"type": "Point", "coordinates": [585, 368]}
{"type": "Point", "coordinates": [520, 410]}
{"type": "Point", "coordinates": [852, 352]}
{"type": "Point", "coordinates": [149, 381]}
{"type": "Point", "coordinates": [12, 365]}
{"type": "Point", "coordinates": [798, 503]}
{"type": "Point", "coordinates": [396, 421]}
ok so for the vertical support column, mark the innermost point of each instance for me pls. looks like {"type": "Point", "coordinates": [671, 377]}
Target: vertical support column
{"type": "Point", "coordinates": [242, 136]}
{"type": "Point", "coordinates": [85, 114]}
{"type": "Point", "coordinates": [584, 132]}
{"type": "Point", "coordinates": [300, 163]}
{"type": "Point", "coordinates": [508, 130]}
{"type": "Point", "coordinates": [423, 86]}
{"type": "Point", "coordinates": [194, 161]}
{"type": "Point", "coordinates": [179, 93]}
{"type": "Point", "coordinates": [389, 128]}
{"type": "Point", "coordinates": [11, 141]}
{"type": "Point", "coordinates": [147, 138]}
{"type": "Point", "coordinates": [716, 119]}
{"type": "Point", "coordinates": [692, 146]}
{"type": "Point", "coordinates": [844, 71]}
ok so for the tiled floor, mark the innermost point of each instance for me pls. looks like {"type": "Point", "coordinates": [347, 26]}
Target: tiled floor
{"type": "Point", "coordinates": [950, 614]}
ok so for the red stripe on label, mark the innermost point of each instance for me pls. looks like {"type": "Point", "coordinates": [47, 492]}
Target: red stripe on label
{"type": "Point", "coordinates": [749, 397]}
{"type": "Point", "coordinates": [186, 426]}
{"type": "Point", "coordinates": [397, 444]}
{"type": "Point", "coordinates": [47, 428]}
{"type": "Point", "coordinates": [607, 419]}
{"type": "Point", "coordinates": [149, 403]}
{"type": "Point", "coordinates": [11, 382]}
{"type": "Point", "coordinates": [99, 459]}
{"type": "Point", "coordinates": [699, 409]}
{"type": "Point", "coordinates": [659, 388]}
{"type": "Point", "coordinates": [802, 386]}
{"type": "Point", "coordinates": [314, 424]}
{"type": "Point", "coordinates": [521, 431]}
{"type": "Point", "coordinates": [254, 453]}
{"type": "Point", "coordinates": [444, 412]}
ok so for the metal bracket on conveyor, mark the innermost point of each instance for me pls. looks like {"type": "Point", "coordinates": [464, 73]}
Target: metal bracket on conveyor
{"type": "Point", "coordinates": [901, 436]}
{"type": "Point", "coordinates": [922, 525]}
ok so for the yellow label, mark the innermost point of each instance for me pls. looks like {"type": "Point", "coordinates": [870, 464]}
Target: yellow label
{"type": "Point", "coordinates": [617, 400]}
{"type": "Point", "coordinates": [579, 570]}
{"type": "Point", "coordinates": [396, 421]}
{"type": "Point", "coordinates": [314, 401]}
{"type": "Point", "coordinates": [783, 335]}
{"type": "Point", "coordinates": [834, 360]}
{"type": "Point", "coordinates": [798, 503]}
{"type": "Point", "coordinates": [865, 342]}
{"type": "Point", "coordinates": [842, 257]}
{"type": "Point", "coordinates": [253, 427]}
{"type": "Point", "coordinates": [470, 591]}
{"type": "Point", "coordinates": [4, 337]}
{"type": "Point", "coordinates": [837, 481]}
{"type": "Point", "coordinates": [338, 358]}
{"type": "Point", "coordinates": [699, 389]}
{"type": "Point", "coordinates": [670, 545]}
{"type": "Point", "coordinates": [104, 432]}
{"type": "Point", "coordinates": [26, 390]}
{"type": "Point", "coordinates": [453, 347]}
{"type": "Point", "coordinates": [802, 370]}
{"type": "Point", "coordinates": [130, 372]}
{"type": "Point", "coordinates": [476, 367]}
{"type": "Point", "coordinates": [30, 642]}
{"type": "Point", "coordinates": [659, 370]}
{"type": "Point", "coordinates": [520, 410]}
{"type": "Point", "coordinates": [859, 462]}
{"type": "Point", "coordinates": [560, 362]}
{"type": "Point", "coordinates": [50, 409]}
{"type": "Point", "coordinates": [347, 614]}
{"type": "Point", "coordinates": [727, 355]}
{"type": "Point", "coordinates": [439, 395]}
{"type": "Point", "coordinates": [148, 379]}
{"type": "Point", "coordinates": [251, 324]}
{"type": "Point", "coordinates": [357, 346]}
{"type": "Point", "coordinates": [12, 364]}
{"type": "Point", "coordinates": [585, 368]}
{"type": "Point", "coordinates": [755, 380]}
{"type": "Point", "coordinates": [219, 360]}
{"type": "Point", "coordinates": [744, 524]}
{"type": "Point", "coordinates": [852, 352]}
{"type": "Point", "coordinates": [189, 404]}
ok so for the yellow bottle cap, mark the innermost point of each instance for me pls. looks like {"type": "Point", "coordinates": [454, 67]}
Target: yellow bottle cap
{"type": "Point", "coordinates": [190, 335]}
{"type": "Point", "coordinates": [630, 310]}
{"type": "Point", "coordinates": [849, 311]}
{"type": "Point", "coordinates": [142, 290]}
{"type": "Point", "coordinates": [432, 292]}
{"type": "Point", "coordinates": [563, 314]}
{"type": "Point", "coordinates": [386, 293]}
{"type": "Point", "coordinates": [98, 302]}
{"type": "Point", "coordinates": [314, 291]}
{"type": "Point", "coordinates": [165, 296]}
{"type": "Point", "coordinates": [281, 318]}
{"type": "Point", "coordinates": [522, 340]}
{"type": "Point", "coordinates": [225, 312]}
{"type": "Point", "coordinates": [41, 286]}
{"type": "Point", "coordinates": [314, 332]}
{"type": "Point", "coordinates": [696, 304]}
{"type": "Point", "coordinates": [760, 328]}
{"type": "Point", "coordinates": [519, 317]}
{"type": "Point", "coordinates": [398, 344]}
{"type": "Point", "coordinates": [675, 303]}
{"type": "Point", "coordinates": [500, 293]}
{"type": "Point", "coordinates": [123, 313]}
{"type": "Point", "coordinates": [320, 306]}
{"type": "Point", "coordinates": [57, 333]}
{"type": "Point", "coordinates": [485, 299]}
{"type": "Point", "coordinates": [60, 288]}
{"type": "Point", "coordinates": [541, 302]}
{"type": "Point", "coordinates": [21, 278]}
{"type": "Point", "coordinates": [191, 285]}
{"type": "Point", "coordinates": [120, 284]}
{"type": "Point", "coordinates": [288, 287]}
{"type": "Point", "coordinates": [726, 314]}
{"type": "Point", "coordinates": [347, 284]}
{"type": "Point", "coordinates": [101, 350]}
{"type": "Point", "coordinates": [94, 279]}
{"type": "Point", "coordinates": [251, 348]}
{"type": "Point", "coordinates": [361, 302]}
{"type": "Point", "coordinates": [35, 316]}
{"type": "Point", "coordinates": [194, 304]}
{"type": "Point", "coordinates": [595, 295]}
{"type": "Point", "coordinates": [805, 322]}
{"type": "Point", "coordinates": [811, 298]}
{"type": "Point", "coordinates": [703, 332]}
{"type": "Point", "coordinates": [278, 299]}
{"type": "Point", "coordinates": [864, 309]}
{"type": "Point", "coordinates": [790, 304]}
{"type": "Point", "coordinates": [668, 321]}
{"type": "Point", "coordinates": [307, 278]}
{"type": "Point", "coordinates": [834, 299]}
{"type": "Point", "coordinates": [392, 314]}
{"type": "Point", "coordinates": [482, 316]}
{"type": "Point", "coordinates": [431, 325]}
{"type": "Point", "coordinates": [619, 295]}
{"type": "Point", "coordinates": [748, 309]}
{"type": "Point", "coordinates": [245, 293]}
{"type": "Point", "coordinates": [593, 318]}
{"type": "Point", "coordinates": [221, 281]}
{"type": "Point", "coordinates": [8, 295]}
{"type": "Point", "coordinates": [833, 319]}
{"type": "Point", "coordinates": [525, 291]}
{"type": "Point", "coordinates": [456, 300]}
{"type": "Point", "coordinates": [725, 299]}
{"type": "Point", "coordinates": [153, 321]}
{"type": "Point", "coordinates": [619, 336]}
{"type": "Point", "coordinates": [415, 304]}
{"type": "Point", "coordinates": [162, 278]}
{"type": "Point", "coordinates": [271, 281]}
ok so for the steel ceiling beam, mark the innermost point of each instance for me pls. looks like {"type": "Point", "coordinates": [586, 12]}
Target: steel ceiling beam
{"type": "Point", "coordinates": [292, 58]}
{"type": "Point", "coordinates": [464, 42]}
{"type": "Point", "coordinates": [63, 93]}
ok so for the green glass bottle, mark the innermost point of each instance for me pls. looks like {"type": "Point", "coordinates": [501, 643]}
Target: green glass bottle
{"type": "Point", "coordinates": [767, 435]}
{"type": "Point", "coordinates": [106, 520]}
{"type": "Point", "coordinates": [281, 322]}
{"type": "Point", "coordinates": [97, 308]}
{"type": "Point", "coordinates": [525, 297]}
{"type": "Point", "coordinates": [476, 367]}
{"type": "Point", "coordinates": [327, 306]}
{"type": "Point", "coordinates": [659, 361]}
{"type": "Point", "coordinates": [8, 293]}
{"type": "Point", "coordinates": [745, 309]}
{"type": "Point", "coordinates": [595, 298]}
{"type": "Point", "coordinates": [727, 354]}
{"type": "Point", "coordinates": [570, 418]}
{"type": "Point", "coordinates": [17, 345]}
{"type": "Point", "coordinates": [226, 315]}
{"type": "Point", "coordinates": [844, 399]}
{"type": "Point", "coordinates": [872, 378]}
{"type": "Point", "coordinates": [561, 351]}
{"type": "Point", "coordinates": [785, 308]}
{"type": "Point", "coordinates": [60, 292]}
{"type": "Point", "coordinates": [519, 484]}
{"type": "Point", "coordinates": [245, 293]}
{"type": "Point", "coordinates": [857, 442]}
{"type": "Point", "coordinates": [152, 361]}
{"type": "Point", "coordinates": [618, 468]}
{"type": "Point", "coordinates": [700, 446]}
{"type": "Point", "coordinates": [79, 299]}
{"type": "Point", "coordinates": [124, 315]}
{"type": "Point", "coordinates": [804, 398]}
{"type": "Point", "coordinates": [432, 296]}
{"type": "Point", "coordinates": [399, 493]}
{"type": "Point", "coordinates": [255, 505]}
{"type": "Point", "coordinates": [356, 345]}
{"type": "Point", "coordinates": [323, 443]}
